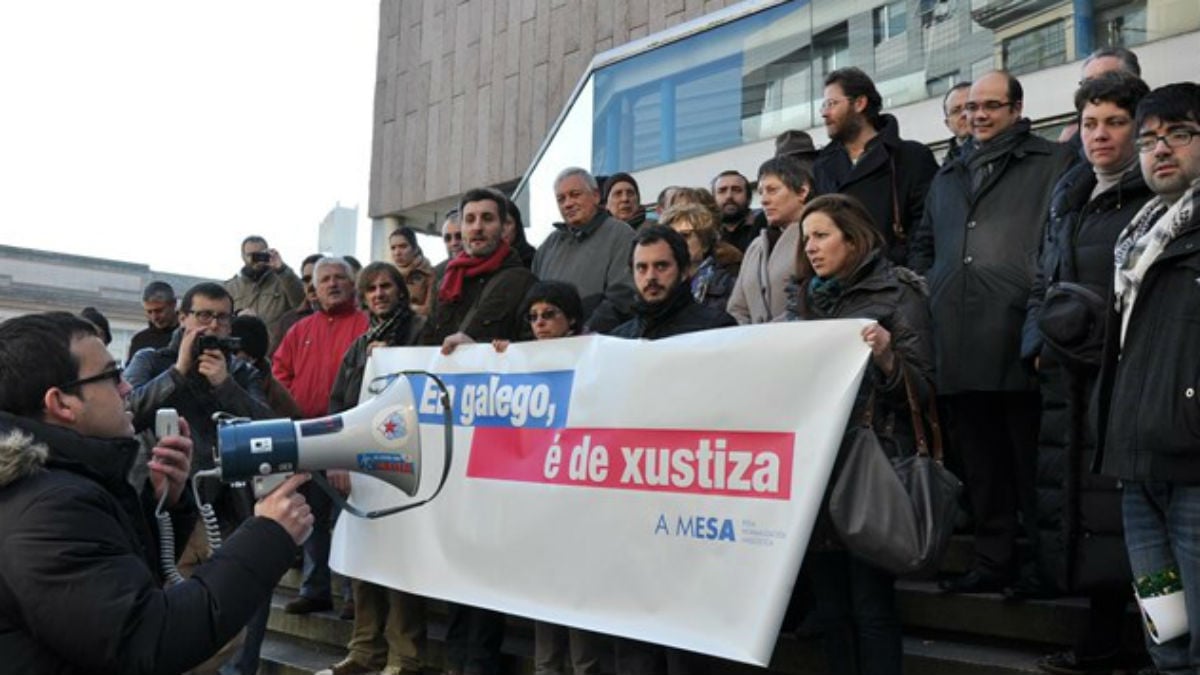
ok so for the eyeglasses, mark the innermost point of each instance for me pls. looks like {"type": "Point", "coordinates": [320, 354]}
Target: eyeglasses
{"type": "Point", "coordinates": [990, 106]}
{"type": "Point", "coordinates": [1175, 138]}
{"type": "Point", "coordinates": [113, 374]}
{"type": "Point", "coordinates": [205, 316]}
{"type": "Point", "coordinates": [546, 315]}
{"type": "Point", "coordinates": [452, 236]}
{"type": "Point", "coordinates": [831, 102]}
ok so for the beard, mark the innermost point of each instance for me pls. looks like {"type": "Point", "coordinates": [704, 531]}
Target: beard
{"type": "Point", "coordinates": [848, 130]}
{"type": "Point", "coordinates": [735, 215]}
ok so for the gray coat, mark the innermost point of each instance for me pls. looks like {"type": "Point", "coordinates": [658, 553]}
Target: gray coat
{"type": "Point", "coordinates": [595, 258]}
{"type": "Point", "coordinates": [979, 252]}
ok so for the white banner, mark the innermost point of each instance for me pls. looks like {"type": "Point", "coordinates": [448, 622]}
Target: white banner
{"type": "Point", "coordinates": [663, 491]}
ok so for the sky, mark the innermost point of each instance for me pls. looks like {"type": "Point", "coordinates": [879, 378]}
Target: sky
{"type": "Point", "coordinates": [163, 133]}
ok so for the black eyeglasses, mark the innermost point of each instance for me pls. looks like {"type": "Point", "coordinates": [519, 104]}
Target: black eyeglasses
{"type": "Point", "coordinates": [206, 317]}
{"type": "Point", "coordinates": [113, 374]}
{"type": "Point", "coordinates": [546, 315]}
{"type": "Point", "coordinates": [1175, 138]}
{"type": "Point", "coordinates": [990, 106]}
{"type": "Point", "coordinates": [449, 236]}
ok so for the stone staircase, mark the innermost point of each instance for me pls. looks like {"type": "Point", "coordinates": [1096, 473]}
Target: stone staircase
{"type": "Point", "coordinates": [982, 634]}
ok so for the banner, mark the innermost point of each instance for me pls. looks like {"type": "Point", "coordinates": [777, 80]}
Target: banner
{"type": "Point", "coordinates": [662, 491]}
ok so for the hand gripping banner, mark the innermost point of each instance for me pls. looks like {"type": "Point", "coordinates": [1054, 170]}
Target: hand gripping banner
{"type": "Point", "coordinates": [662, 491]}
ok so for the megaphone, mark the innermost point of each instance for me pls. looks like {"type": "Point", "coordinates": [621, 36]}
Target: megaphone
{"type": "Point", "coordinates": [381, 437]}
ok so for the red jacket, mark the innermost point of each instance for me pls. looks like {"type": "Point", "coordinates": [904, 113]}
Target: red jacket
{"type": "Point", "coordinates": [308, 358]}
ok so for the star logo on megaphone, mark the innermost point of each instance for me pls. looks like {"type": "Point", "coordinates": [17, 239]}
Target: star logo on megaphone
{"type": "Point", "coordinates": [393, 426]}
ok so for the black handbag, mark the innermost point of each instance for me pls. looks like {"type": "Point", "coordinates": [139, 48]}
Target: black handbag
{"type": "Point", "coordinates": [897, 514]}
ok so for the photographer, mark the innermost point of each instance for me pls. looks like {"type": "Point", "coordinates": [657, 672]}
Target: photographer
{"type": "Point", "coordinates": [265, 287]}
{"type": "Point", "coordinates": [197, 375]}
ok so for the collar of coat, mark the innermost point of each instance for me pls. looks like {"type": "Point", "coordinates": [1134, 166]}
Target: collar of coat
{"type": "Point", "coordinates": [581, 233]}
{"type": "Point", "coordinates": [27, 446]}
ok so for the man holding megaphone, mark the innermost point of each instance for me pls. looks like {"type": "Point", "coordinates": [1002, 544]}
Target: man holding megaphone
{"type": "Point", "coordinates": [79, 586]}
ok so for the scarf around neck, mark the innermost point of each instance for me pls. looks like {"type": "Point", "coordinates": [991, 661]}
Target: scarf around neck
{"type": "Point", "coordinates": [1142, 242]}
{"type": "Point", "coordinates": [982, 160]}
{"type": "Point", "coordinates": [466, 267]}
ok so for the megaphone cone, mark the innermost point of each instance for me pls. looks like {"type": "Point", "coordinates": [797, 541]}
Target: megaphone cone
{"type": "Point", "coordinates": [380, 438]}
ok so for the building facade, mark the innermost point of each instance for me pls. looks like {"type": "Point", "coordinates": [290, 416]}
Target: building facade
{"type": "Point", "coordinates": [507, 93]}
{"type": "Point", "coordinates": [44, 281]}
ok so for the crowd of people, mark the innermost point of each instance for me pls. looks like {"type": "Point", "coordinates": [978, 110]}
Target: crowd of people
{"type": "Point", "coordinates": [1001, 283]}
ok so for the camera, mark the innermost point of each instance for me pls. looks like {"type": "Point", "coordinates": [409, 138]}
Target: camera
{"type": "Point", "coordinates": [227, 345]}
{"type": "Point", "coordinates": [260, 257]}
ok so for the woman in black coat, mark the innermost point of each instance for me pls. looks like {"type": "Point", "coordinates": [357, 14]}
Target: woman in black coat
{"type": "Point", "coordinates": [842, 272]}
{"type": "Point", "coordinates": [1081, 549]}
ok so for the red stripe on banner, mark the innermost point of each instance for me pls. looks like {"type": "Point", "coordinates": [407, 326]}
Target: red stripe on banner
{"type": "Point", "coordinates": [732, 463]}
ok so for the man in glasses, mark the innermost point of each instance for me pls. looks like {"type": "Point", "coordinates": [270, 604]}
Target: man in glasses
{"type": "Point", "coordinates": [265, 285]}
{"type": "Point", "coordinates": [80, 588]}
{"type": "Point", "coordinates": [867, 159]}
{"type": "Point", "coordinates": [198, 380]}
{"type": "Point", "coordinates": [1148, 432]}
{"type": "Point", "coordinates": [953, 106]}
{"type": "Point", "coordinates": [977, 244]}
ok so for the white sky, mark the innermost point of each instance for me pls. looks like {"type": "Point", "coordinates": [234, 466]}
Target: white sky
{"type": "Point", "coordinates": [163, 132]}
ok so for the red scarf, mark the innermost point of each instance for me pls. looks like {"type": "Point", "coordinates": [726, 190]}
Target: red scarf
{"type": "Point", "coordinates": [464, 267]}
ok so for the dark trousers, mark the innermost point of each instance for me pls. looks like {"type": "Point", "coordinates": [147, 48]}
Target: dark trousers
{"type": "Point", "coordinates": [856, 605]}
{"type": "Point", "coordinates": [995, 433]}
{"type": "Point", "coordinates": [473, 639]}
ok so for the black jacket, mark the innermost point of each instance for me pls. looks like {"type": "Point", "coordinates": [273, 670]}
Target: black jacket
{"type": "Point", "coordinates": [888, 161]}
{"type": "Point", "coordinates": [1149, 413]}
{"type": "Point", "coordinates": [1080, 528]}
{"type": "Point", "coordinates": [156, 384]}
{"type": "Point", "coordinates": [149, 338]}
{"type": "Point", "coordinates": [979, 252]}
{"type": "Point", "coordinates": [79, 590]}
{"type": "Point", "coordinates": [487, 308]}
{"type": "Point", "coordinates": [896, 298]}
{"type": "Point", "coordinates": [1079, 238]}
{"type": "Point", "coordinates": [678, 314]}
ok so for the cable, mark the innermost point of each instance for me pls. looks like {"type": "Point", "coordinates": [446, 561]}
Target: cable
{"type": "Point", "coordinates": [166, 543]}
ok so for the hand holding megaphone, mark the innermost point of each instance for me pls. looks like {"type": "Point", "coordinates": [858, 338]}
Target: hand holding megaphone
{"type": "Point", "coordinates": [288, 508]}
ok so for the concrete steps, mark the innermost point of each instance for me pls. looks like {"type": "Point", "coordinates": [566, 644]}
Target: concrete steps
{"type": "Point", "coordinates": [945, 634]}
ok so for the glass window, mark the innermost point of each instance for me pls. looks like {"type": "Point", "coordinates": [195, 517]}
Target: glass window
{"type": "Point", "coordinates": [1122, 26]}
{"type": "Point", "coordinates": [1035, 49]}
{"type": "Point", "coordinates": [890, 21]}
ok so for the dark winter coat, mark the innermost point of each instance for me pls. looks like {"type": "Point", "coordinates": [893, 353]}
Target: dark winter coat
{"type": "Point", "coordinates": [1149, 416]}
{"type": "Point", "coordinates": [896, 298]}
{"type": "Point", "coordinates": [1079, 513]}
{"type": "Point", "coordinates": [678, 314]}
{"type": "Point", "coordinates": [978, 250]}
{"type": "Point", "coordinates": [487, 308]}
{"type": "Point", "coordinates": [79, 587]}
{"type": "Point", "coordinates": [156, 384]}
{"type": "Point", "coordinates": [891, 177]}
